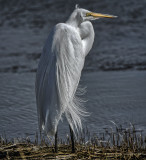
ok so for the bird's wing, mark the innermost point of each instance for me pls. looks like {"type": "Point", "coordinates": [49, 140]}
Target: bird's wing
{"type": "Point", "coordinates": [46, 89]}
{"type": "Point", "coordinates": [70, 61]}
{"type": "Point", "coordinates": [57, 79]}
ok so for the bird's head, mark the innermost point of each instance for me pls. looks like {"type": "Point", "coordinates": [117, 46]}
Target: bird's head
{"type": "Point", "coordinates": [82, 15]}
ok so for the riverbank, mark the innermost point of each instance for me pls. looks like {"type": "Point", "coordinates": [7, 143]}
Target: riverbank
{"type": "Point", "coordinates": [31, 151]}
{"type": "Point", "coordinates": [122, 144]}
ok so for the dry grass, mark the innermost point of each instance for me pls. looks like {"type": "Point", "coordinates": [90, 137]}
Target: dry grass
{"type": "Point", "coordinates": [115, 143]}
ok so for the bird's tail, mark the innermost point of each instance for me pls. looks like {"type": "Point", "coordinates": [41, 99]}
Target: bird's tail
{"type": "Point", "coordinates": [75, 111]}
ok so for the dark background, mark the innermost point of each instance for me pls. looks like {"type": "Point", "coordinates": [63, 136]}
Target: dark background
{"type": "Point", "coordinates": [120, 44]}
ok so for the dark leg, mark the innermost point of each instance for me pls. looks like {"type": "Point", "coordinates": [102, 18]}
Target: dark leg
{"type": "Point", "coordinates": [72, 139]}
{"type": "Point", "coordinates": [56, 147]}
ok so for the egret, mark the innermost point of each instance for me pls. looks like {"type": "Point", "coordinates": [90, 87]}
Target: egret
{"type": "Point", "coordinates": [59, 72]}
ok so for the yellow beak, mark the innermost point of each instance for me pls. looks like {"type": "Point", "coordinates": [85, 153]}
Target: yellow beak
{"type": "Point", "coordinates": [99, 15]}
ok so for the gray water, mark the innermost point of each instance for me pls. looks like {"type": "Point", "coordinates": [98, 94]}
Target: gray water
{"type": "Point", "coordinates": [117, 96]}
{"type": "Point", "coordinates": [120, 44]}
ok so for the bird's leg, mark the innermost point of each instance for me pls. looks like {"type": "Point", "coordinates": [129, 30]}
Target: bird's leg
{"type": "Point", "coordinates": [72, 139]}
{"type": "Point", "coordinates": [56, 147]}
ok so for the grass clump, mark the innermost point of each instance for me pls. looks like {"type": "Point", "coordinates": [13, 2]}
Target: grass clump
{"type": "Point", "coordinates": [118, 143]}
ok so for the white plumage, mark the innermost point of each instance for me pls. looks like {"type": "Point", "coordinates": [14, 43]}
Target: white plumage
{"type": "Point", "coordinates": [59, 71]}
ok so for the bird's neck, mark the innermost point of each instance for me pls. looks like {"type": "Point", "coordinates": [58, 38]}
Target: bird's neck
{"type": "Point", "coordinates": [72, 23]}
{"type": "Point", "coordinates": [86, 32]}
{"type": "Point", "coordinates": [73, 20]}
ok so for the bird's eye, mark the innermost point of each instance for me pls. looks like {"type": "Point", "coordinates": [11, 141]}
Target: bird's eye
{"type": "Point", "coordinates": [88, 14]}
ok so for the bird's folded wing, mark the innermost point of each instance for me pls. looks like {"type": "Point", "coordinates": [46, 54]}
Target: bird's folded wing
{"type": "Point", "coordinates": [70, 61]}
{"type": "Point", "coordinates": [46, 91]}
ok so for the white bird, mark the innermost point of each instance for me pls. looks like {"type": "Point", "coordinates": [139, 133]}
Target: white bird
{"type": "Point", "coordinates": [60, 68]}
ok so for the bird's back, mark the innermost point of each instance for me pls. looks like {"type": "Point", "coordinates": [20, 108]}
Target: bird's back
{"type": "Point", "coordinates": [57, 79]}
